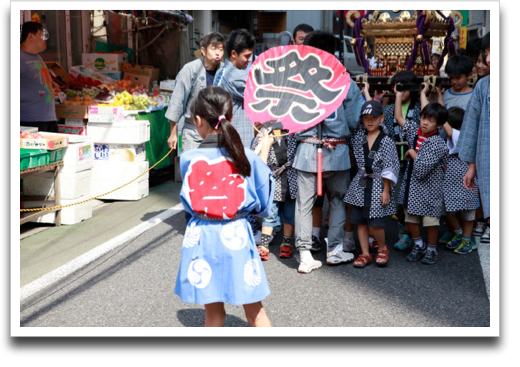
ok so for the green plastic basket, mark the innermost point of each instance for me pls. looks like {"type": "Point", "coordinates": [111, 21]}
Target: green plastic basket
{"type": "Point", "coordinates": [56, 155]}
{"type": "Point", "coordinates": [30, 158]}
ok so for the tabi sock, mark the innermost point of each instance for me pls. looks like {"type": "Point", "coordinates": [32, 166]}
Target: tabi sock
{"type": "Point", "coordinates": [316, 232]}
{"type": "Point", "coordinates": [265, 240]}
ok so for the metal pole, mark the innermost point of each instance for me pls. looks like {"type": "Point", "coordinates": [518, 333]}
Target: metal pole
{"type": "Point", "coordinates": [341, 27]}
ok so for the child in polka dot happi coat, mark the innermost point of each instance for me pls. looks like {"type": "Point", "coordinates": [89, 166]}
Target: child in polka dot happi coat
{"type": "Point", "coordinates": [421, 193]}
{"type": "Point", "coordinates": [458, 199]}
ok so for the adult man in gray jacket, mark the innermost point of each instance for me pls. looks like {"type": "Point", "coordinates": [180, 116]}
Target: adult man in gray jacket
{"type": "Point", "coordinates": [194, 76]}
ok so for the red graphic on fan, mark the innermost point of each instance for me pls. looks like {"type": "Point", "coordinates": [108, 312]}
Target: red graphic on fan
{"type": "Point", "coordinates": [299, 86]}
{"type": "Point", "coordinates": [216, 189]}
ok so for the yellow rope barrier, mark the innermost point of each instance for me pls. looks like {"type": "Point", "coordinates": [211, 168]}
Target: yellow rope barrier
{"type": "Point", "coordinates": [95, 197]}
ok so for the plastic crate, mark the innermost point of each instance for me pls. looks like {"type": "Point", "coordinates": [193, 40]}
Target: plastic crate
{"type": "Point", "coordinates": [30, 158]}
{"type": "Point", "coordinates": [55, 155]}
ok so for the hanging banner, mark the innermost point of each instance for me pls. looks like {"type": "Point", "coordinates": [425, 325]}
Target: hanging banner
{"type": "Point", "coordinates": [299, 86]}
{"type": "Point", "coordinates": [463, 37]}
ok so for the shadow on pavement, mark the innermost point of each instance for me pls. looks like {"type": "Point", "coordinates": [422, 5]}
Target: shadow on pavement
{"type": "Point", "coordinates": [195, 318]}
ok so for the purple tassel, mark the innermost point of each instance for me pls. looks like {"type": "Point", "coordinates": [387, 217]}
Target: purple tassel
{"type": "Point", "coordinates": [358, 47]}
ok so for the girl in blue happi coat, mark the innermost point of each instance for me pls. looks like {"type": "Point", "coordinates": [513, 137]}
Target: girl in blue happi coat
{"type": "Point", "coordinates": [222, 184]}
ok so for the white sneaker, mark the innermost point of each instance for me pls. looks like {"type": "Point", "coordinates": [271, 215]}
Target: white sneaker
{"type": "Point", "coordinates": [486, 236]}
{"type": "Point", "coordinates": [338, 256]}
{"type": "Point", "coordinates": [479, 229]}
{"type": "Point", "coordinates": [307, 262]}
{"type": "Point", "coordinates": [349, 244]}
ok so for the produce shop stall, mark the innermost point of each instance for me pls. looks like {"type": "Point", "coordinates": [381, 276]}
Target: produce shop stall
{"type": "Point", "coordinates": [138, 92]}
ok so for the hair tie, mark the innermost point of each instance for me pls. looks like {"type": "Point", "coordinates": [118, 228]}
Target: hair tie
{"type": "Point", "coordinates": [220, 118]}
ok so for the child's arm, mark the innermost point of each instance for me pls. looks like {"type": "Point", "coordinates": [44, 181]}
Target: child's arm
{"type": "Point", "coordinates": [439, 95]}
{"type": "Point", "coordinates": [448, 129]}
{"type": "Point", "coordinates": [424, 99]}
{"type": "Point", "coordinates": [265, 146]}
{"type": "Point", "coordinates": [365, 90]}
{"type": "Point", "coordinates": [385, 195]}
{"type": "Point", "coordinates": [398, 110]}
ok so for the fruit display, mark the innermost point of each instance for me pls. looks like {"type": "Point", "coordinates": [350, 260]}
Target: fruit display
{"type": "Point", "coordinates": [130, 102]}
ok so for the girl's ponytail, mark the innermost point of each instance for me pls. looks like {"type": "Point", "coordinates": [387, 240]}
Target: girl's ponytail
{"type": "Point", "coordinates": [215, 105]}
{"type": "Point", "coordinates": [230, 139]}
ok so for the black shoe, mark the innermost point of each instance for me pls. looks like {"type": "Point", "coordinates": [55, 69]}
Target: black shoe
{"type": "Point", "coordinates": [416, 254]}
{"type": "Point", "coordinates": [430, 258]}
{"type": "Point", "coordinates": [316, 244]}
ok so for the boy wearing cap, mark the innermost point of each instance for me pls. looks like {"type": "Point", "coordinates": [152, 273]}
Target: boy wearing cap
{"type": "Point", "coordinates": [371, 189]}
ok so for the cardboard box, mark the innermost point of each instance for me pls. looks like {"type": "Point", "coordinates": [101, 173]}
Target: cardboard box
{"type": "Point", "coordinates": [142, 70]}
{"type": "Point", "coordinates": [72, 111]}
{"type": "Point", "coordinates": [50, 142]}
{"type": "Point", "coordinates": [57, 69]}
{"type": "Point", "coordinates": [105, 61]}
{"type": "Point", "coordinates": [139, 79]}
{"type": "Point", "coordinates": [141, 74]}
{"type": "Point", "coordinates": [119, 152]}
{"type": "Point", "coordinates": [89, 73]}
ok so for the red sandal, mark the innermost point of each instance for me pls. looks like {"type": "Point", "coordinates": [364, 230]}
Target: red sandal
{"type": "Point", "coordinates": [382, 256]}
{"type": "Point", "coordinates": [263, 252]}
{"type": "Point", "coordinates": [362, 261]}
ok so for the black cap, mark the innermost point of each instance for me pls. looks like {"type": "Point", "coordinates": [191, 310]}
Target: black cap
{"type": "Point", "coordinates": [373, 108]}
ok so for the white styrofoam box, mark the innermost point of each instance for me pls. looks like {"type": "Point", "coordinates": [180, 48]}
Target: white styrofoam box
{"type": "Point", "coordinates": [69, 216]}
{"type": "Point", "coordinates": [120, 152]}
{"type": "Point", "coordinates": [119, 172]}
{"type": "Point", "coordinates": [107, 119]}
{"type": "Point", "coordinates": [100, 110]}
{"type": "Point", "coordinates": [125, 132]}
{"type": "Point", "coordinates": [167, 85]}
{"type": "Point", "coordinates": [78, 157]}
{"type": "Point", "coordinates": [135, 191]}
{"type": "Point", "coordinates": [73, 185]}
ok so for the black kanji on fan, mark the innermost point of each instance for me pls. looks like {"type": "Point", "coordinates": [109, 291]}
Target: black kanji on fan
{"type": "Point", "coordinates": [283, 89]}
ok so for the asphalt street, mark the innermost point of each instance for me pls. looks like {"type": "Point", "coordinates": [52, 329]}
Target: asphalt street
{"type": "Point", "coordinates": [132, 286]}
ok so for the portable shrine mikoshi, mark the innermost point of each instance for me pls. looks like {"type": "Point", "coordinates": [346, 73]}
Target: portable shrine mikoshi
{"type": "Point", "coordinates": [404, 43]}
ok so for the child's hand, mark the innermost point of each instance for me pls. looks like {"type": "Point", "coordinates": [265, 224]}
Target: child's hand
{"type": "Point", "coordinates": [469, 177]}
{"type": "Point", "coordinates": [365, 87]}
{"type": "Point", "coordinates": [410, 153]}
{"type": "Point", "coordinates": [425, 88]}
{"type": "Point", "coordinates": [385, 198]}
{"type": "Point", "coordinates": [398, 94]}
{"type": "Point", "coordinates": [440, 91]}
{"type": "Point", "coordinates": [379, 94]}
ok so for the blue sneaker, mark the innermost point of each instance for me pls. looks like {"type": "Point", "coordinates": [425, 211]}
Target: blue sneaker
{"type": "Point", "coordinates": [465, 247]}
{"type": "Point", "coordinates": [404, 243]}
{"type": "Point", "coordinates": [454, 242]}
